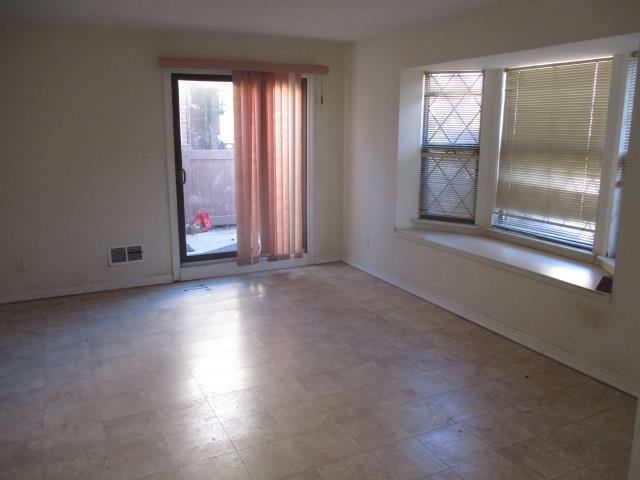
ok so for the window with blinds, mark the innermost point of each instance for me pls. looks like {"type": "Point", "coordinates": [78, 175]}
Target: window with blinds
{"type": "Point", "coordinates": [551, 154]}
{"type": "Point", "coordinates": [450, 145]}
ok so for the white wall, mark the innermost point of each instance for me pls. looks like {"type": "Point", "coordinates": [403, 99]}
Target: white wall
{"type": "Point", "coordinates": [603, 335]}
{"type": "Point", "coordinates": [79, 108]}
{"type": "Point", "coordinates": [634, 462]}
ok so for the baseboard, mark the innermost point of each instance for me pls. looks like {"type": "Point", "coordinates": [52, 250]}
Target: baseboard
{"type": "Point", "coordinates": [329, 259]}
{"type": "Point", "coordinates": [192, 273]}
{"type": "Point", "coordinates": [603, 375]}
{"type": "Point", "coordinates": [90, 288]}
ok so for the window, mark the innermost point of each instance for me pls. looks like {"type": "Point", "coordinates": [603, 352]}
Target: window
{"type": "Point", "coordinates": [552, 147]}
{"type": "Point", "coordinates": [450, 145]}
{"type": "Point", "coordinates": [547, 169]}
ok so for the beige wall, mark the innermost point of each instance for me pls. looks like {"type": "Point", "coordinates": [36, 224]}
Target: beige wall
{"type": "Point", "coordinates": [603, 335]}
{"type": "Point", "coordinates": [79, 108]}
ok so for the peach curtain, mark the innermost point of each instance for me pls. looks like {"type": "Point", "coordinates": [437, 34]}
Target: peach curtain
{"type": "Point", "coordinates": [268, 158]}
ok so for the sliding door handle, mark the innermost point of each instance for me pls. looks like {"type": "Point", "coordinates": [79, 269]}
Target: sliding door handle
{"type": "Point", "coordinates": [183, 176]}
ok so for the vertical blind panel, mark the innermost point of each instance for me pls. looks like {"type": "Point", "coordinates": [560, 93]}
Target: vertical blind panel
{"type": "Point", "coordinates": [551, 154]}
{"type": "Point", "coordinates": [450, 144]}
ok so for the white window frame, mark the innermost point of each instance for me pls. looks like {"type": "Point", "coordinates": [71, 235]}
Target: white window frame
{"type": "Point", "coordinates": [490, 141]}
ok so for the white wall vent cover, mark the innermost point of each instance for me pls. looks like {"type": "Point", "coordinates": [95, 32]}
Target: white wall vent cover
{"type": "Point", "coordinates": [125, 254]}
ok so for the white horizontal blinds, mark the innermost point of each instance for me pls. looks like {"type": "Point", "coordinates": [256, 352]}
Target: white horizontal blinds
{"type": "Point", "coordinates": [551, 154]}
{"type": "Point", "coordinates": [450, 145]}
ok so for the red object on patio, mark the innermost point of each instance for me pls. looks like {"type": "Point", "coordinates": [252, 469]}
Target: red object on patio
{"type": "Point", "coordinates": [203, 222]}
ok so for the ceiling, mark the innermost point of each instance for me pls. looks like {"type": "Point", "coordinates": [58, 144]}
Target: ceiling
{"type": "Point", "coordinates": [343, 20]}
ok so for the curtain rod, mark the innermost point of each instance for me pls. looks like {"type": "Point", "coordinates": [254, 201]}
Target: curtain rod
{"type": "Point", "coordinates": [202, 64]}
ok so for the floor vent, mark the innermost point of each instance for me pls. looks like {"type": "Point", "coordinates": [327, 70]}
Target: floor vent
{"type": "Point", "coordinates": [125, 254]}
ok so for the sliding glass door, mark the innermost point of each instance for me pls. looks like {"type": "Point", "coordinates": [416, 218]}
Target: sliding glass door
{"type": "Point", "coordinates": [204, 154]}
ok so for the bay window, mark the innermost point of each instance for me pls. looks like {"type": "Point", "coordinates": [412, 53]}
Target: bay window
{"type": "Point", "coordinates": [562, 137]}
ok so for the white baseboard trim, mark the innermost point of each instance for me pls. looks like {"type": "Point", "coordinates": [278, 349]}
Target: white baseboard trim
{"type": "Point", "coordinates": [602, 374]}
{"type": "Point", "coordinates": [90, 288]}
{"type": "Point", "coordinates": [330, 259]}
{"type": "Point", "coordinates": [188, 274]}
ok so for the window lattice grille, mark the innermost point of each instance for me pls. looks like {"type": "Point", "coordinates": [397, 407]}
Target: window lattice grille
{"type": "Point", "coordinates": [450, 144]}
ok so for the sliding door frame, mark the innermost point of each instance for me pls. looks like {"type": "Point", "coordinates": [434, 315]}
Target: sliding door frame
{"type": "Point", "coordinates": [184, 271]}
{"type": "Point", "coordinates": [180, 174]}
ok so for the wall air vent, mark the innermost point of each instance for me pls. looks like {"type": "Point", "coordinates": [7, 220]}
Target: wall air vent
{"type": "Point", "coordinates": [134, 253]}
{"type": "Point", "coordinates": [125, 254]}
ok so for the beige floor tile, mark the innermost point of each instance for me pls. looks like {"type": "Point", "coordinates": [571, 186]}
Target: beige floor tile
{"type": "Point", "coordinates": [124, 403]}
{"type": "Point", "coordinates": [469, 374]}
{"type": "Point", "coordinates": [323, 384]}
{"type": "Point", "coordinates": [360, 467]}
{"type": "Point", "coordinates": [346, 406]}
{"type": "Point", "coordinates": [311, 474]}
{"type": "Point", "coordinates": [326, 445]}
{"type": "Point", "coordinates": [408, 460]}
{"type": "Point", "coordinates": [282, 394]}
{"type": "Point", "coordinates": [191, 441]}
{"type": "Point", "coordinates": [225, 467]}
{"type": "Point", "coordinates": [165, 394]}
{"type": "Point", "coordinates": [491, 467]}
{"type": "Point", "coordinates": [76, 452]}
{"type": "Point", "coordinates": [401, 366]}
{"type": "Point", "coordinates": [275, 460]}
{"type": "Point", "coordinates": [224, 381]}
{"type": "Point", "coordinates": [21, 459]}
{"type": "Point", "coordinates": [539, 459]}
{"type": "Point", "coordinates": [237, 404]}
{"type": "Point", "coordinates": [589, 440]}
{"type": "Point", "coordinates": [140, 458]}
{"type": "Point", "coordinates": [23, 426]}
{"type": "Point", "coordinates": [429, 384]}
{"type": "Point", "coordinates": [302, 417]}
{"type": "Point", "coordinates": [455, 444]}
{"type": "Point", "coordinates": [462, 404]}
{"type": "Point", "coordinates": [615, 467]}
{"type": "Point", "coordinates": [253, 430]}
{"type": "Point", "coordinates": [170, 474]}
{"type": "Point", "coordinates": [497, 430]}
{"type": "Point", "coordinates": [69, 415]}
{"type": "Point", "coordinates": [139, 427]}
{"type": "Point", "coordinates": [181, 413]}
{"type": "Point", "coordinates": [374, 431]}
{"type": "Point", "coordinates": [536, 416]}
{"type": "Point", "coordinates": [420, 417]}
{"type": "Point", "coordinates": [446, 475]}
{"type": "Point", "coordinates": [391, 393]}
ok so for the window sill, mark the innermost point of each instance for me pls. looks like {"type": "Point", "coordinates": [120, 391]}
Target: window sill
{"type": "Point", "coordinates": [572, 275]}
{"type": "Point", "coordinates": [509, 237]}
{"type": "Point", "coordinates": [608, 264]}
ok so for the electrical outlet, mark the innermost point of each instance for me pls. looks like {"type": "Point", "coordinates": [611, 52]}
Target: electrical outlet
{"type": "Point", "coordinates": [148, 160]}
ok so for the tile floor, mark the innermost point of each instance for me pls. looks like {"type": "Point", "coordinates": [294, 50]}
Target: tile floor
{"type": "Point", "coordinates": [314, 373]}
